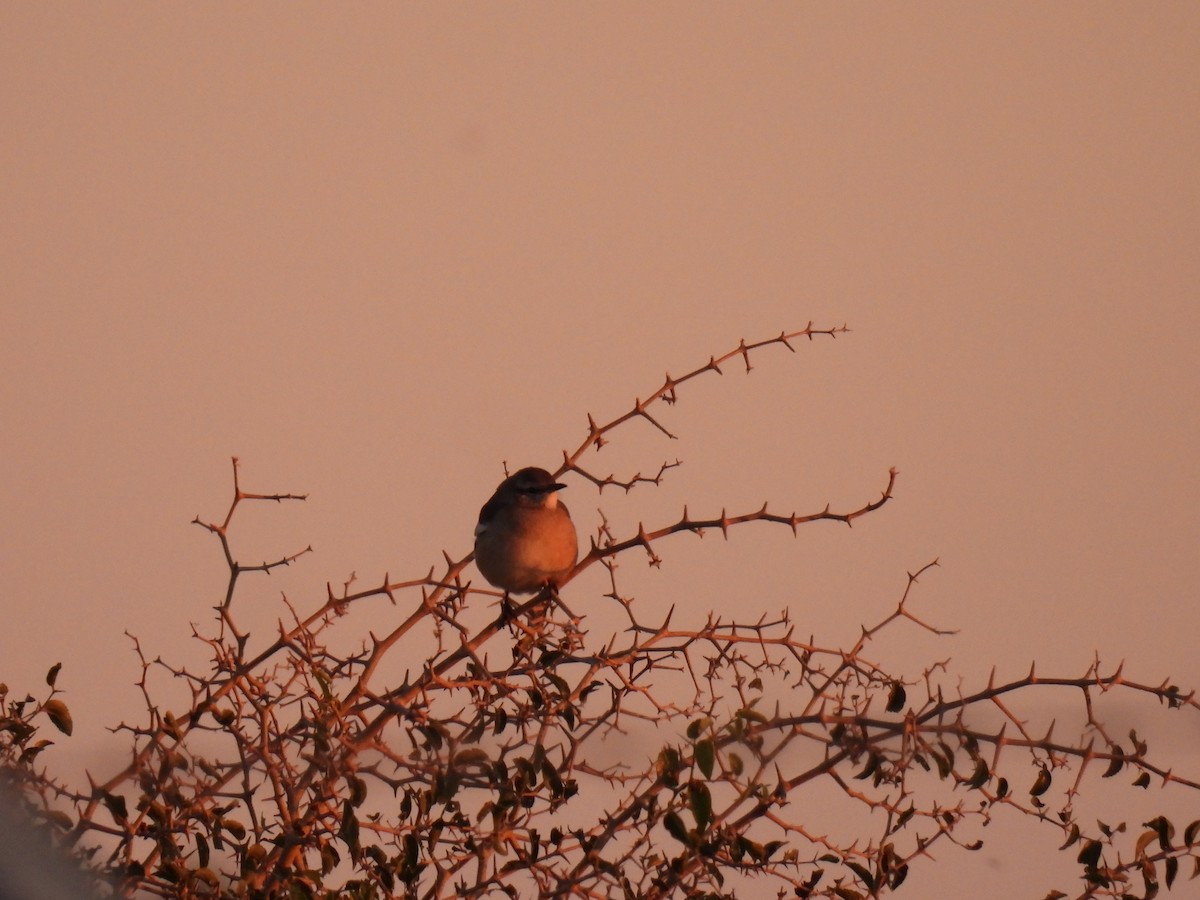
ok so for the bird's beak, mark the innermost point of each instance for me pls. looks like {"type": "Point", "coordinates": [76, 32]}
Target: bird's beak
{"type": "Point", "coordinates": [557, 487]}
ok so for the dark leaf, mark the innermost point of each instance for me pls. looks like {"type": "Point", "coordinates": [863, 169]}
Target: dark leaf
{"type": "Point", "coordinates": [668, 765]}
{"type": "Point", "coordinates": [945, 763]}
{"type": "Point", "coordinates": [30, 753]}
{"type": "Point", "coordinates": [1164, 829]}
{"type": "Point", "coordinates": [1189, 833]}
{"type": "Point", "coordinates": [1090, 854]}
{"type": "Point", "coordinates": [1116, 764]}
{"type": "Point", "coordinates": [234, 827]}
{"type": "Point", "coordinates": [981, 775]}
{"type": "Point", "coordinates": [1042, 784]}
{"type": "Point", "coordinates": [676, 828]}
{"type": "Point", "coordinates": [1072, 836]}
{"type": "Point", "coordinates": [358, 790]}
{"type": "Point", "coordinates": [736, 766]}
{"type": "Point", "coordinates": [59, 715]}
{"type": "Point", "coordinates": [870, 768]}
{"type": "Point", "coordinates": [700, 802]}
{"type": "Point", "coordinates": [865, 874]}
{"type": "Point", "coordinates": [706, 756]}
{"type": "Point", "coordinates": [115, 804]}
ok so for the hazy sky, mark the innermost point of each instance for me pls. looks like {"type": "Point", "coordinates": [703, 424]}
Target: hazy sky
{"type": "Point", "coordinates": [378, 250]}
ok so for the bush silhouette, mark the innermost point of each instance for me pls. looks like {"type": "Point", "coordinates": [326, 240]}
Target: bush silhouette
{"type": "Point", "coordinates": [416, 765]}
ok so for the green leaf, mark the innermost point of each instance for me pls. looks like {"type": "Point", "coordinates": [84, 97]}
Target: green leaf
{"type": "Point", "coordinates": [700, 802]}
{"type": "Point", "coordinates": [751, 715]}
{"type": "Point", "coordinates": [867, 876]}
{"type": "Point", "coordinates": [897, 697]}
{"type": "Point", "coordinates": [676, 828]}
{"type": "Point", "coordinates": [323, 684]}
{"type": "Point", "coordinates": [667, 765]}
{"type": "Point", "coordinates": [736, 766]}
{"type": "Point", "coordinates": [52, 675]}
{"type": "Point", "coordinates": [706, 755]}
{"type": "Point", "coordinates": [358, 790]}
{"type": "Point", "coordinates": [330, 858]}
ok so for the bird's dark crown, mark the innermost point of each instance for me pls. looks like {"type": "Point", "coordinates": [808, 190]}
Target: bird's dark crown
{"type": "Point", "coordinates": [532, 480]}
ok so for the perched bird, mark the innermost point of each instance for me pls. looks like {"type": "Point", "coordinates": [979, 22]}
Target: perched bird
{"type": "Point", "coordinates": [525, 539]}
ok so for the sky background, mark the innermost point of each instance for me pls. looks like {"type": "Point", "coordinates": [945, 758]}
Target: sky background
{"type": "Point", "coordinates": [377, 251]}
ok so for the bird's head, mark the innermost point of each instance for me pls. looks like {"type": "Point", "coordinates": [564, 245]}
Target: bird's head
{"type": "Point", "coordinates": [532, 487]}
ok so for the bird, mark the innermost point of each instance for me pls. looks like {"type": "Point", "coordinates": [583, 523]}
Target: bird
{"type": "Point", "coordinates": [525, 540]}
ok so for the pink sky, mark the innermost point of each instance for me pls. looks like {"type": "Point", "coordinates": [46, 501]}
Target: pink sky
{"type": "Point", "coordinates": [377, 250]}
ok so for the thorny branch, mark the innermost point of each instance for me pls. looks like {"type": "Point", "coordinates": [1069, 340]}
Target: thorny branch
{"type": "Point", "coordinates": [672, 760]}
